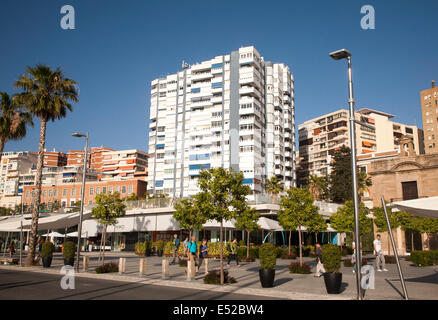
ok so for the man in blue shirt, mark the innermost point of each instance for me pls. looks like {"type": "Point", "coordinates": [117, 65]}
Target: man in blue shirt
{"type": "Point", "coordinates": [203, 252]}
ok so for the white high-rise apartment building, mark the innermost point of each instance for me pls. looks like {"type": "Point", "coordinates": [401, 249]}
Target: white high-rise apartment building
{"type": "Point", "coordinates": [233, 111]}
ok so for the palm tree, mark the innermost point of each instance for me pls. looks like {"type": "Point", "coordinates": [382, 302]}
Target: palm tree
{"type": "Point", "coordinates": [316, 186]}
{"type": "Point", "coordinates": [13, 121]}
{"type": "Point", "coordinates": [364, 182]}
{"type": "Point", "coordinates": [46, 95]}
{"type": "Point", "coordinates": [274, 186]}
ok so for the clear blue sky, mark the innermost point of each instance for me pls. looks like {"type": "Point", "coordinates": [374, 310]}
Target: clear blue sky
{"type": "Point", "coordinates": [118, 47]}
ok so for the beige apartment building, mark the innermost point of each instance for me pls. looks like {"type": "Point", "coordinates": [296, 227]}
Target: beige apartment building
{"type": "Point", "coordinates": [124, 164]}
{"type": "Point", "coordinates": [319, 138]}
{"type": "Point", "coordinates": [13, 164]}
{"type": "Point", "coordinates": [429, 110]}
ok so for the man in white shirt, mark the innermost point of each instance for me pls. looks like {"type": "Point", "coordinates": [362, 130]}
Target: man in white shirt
{"type": "Point", "coordinates": [380, 258]}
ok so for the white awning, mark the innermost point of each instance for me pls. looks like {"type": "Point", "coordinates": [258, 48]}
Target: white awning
{"type": "Point", "coordinates": [214, 224]}
{"type": "Point", "coordinates": [74, 234]}
{"type": "Point", "coordinates": [269, 224]}
{"type": "Point", "coordinates": [424, 207]}
{"type": "Point", "coordinates": [54, 235]}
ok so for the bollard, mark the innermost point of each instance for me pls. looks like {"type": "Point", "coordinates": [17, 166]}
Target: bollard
{"type": "Point", "coordinates": [191, 271]}
{"type": "Point", "coordinates": [206, 266]}
{"type": "Point", "coordinates": [122, 265]}
{"type": "Point", "coordinates": [165, 269]}
{"type": "Point", "coordinates": [142, 267]}
{"type": "Point", "coordinates": [85, 263]}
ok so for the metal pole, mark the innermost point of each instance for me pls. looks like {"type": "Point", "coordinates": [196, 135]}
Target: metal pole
{"type": "Point", "coordinates": [21, 232]}
{"type": "Point", "coordinates": [78, 254]}
{"type": "Point", "coordinates": [354, 174]}
{"type": "Point", "coordinates": [400, 273]}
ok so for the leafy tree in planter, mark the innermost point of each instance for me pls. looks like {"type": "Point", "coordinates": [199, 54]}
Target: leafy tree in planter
{"type": "Point", "coordinates": [222, 194]}
{"type": "Point", "coordinates": [247, 219]}
{"type": "Point", "coordinates": [268, 256]}
{"type": "Point", "coordinates": [46, 94]}
{"type": "Point", "coordinates": [343, 219]}
{"type": "Point", "coordinates": [297, 211]}
{"type": "Point", "coordinates": [188, 214]}
{"type": "Point", "coordinates": [109, 208]}
{"type": "Point", "coordinates": [331, 257]}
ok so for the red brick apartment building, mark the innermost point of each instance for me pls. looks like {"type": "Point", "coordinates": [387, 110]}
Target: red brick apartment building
{"type": "Point", "coordinates": [68, 194]}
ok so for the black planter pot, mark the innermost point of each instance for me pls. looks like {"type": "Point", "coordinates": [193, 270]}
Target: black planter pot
{"type": "Point", "coordinates": [267, 277]}
{"type": "Point", "coordinates": [69, 261]}
{"type": "Point", "coordinates": [333, 282]}
{"type": "Point", "coordinates": [47, 262]}
{"type": "Point", "coordinates": [160, 253]}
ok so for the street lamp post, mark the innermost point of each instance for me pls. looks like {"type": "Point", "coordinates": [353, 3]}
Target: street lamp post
{"type": "Point", "coordinates": [78, 254]}
{"type": "Point", "coordinates": [338, 55]}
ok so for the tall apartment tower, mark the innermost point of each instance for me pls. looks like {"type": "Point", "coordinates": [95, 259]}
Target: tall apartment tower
{"type": "Point", "coordinates": [429, 109]}
{"type": "Point", "coordinates": [233, 111]}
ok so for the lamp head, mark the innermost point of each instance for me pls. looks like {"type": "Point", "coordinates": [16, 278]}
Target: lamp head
{"type": "Point", "coordinates": [340, 54]}
{"type": "Point", "coordinates": [78, 135]}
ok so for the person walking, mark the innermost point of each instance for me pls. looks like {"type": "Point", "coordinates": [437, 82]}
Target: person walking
{"type": "Point", "coordinates": [232, 248]}
{"type": "Point", "coordinates": [380, 258]}
{"type": "Point", "coordinates": [192, 249]}
{"type": "Point", "coordinates": [176, 243]}
{"type": "Point", "coordinates": [319, 266]}
{"type": "Point", "coordinates": [353, 257]}
{"type": "Point", "coordinates": [12, 248]}
{"type": "Point", "coordinates": [203, 252]}
{"type": "Point", "coordinates": [186, 247]}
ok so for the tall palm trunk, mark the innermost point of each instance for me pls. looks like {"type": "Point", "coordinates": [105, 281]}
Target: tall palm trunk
{"type": "Point", "coordinates": [2, 146]}
{"type": "Point", "coordinates": [36, 200]}
{"type": "Point", "coordinates": [301, 247]}
{"type": "Point", "coordinates": [221, 253]}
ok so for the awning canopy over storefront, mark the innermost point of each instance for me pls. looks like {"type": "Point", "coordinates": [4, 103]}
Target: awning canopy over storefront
{"type": "Point", "coordinates": [269, 224]}
{"type": "Point", "coordinates": [46, 222]}
{"type": "Point", "coordinates": [54, 235]}
{"type": "Point", "coordinates": [424, 207]}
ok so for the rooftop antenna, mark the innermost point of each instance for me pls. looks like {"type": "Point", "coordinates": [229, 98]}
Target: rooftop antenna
{"type": "Point", "coordinates": [185, 65]}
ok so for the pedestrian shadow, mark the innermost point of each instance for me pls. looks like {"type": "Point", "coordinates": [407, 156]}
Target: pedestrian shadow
{"type": "Point", "coordinates": [344, 286]}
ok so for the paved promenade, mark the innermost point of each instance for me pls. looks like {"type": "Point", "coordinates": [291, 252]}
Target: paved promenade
{"type": "Point", "coordinates": [422, 283]}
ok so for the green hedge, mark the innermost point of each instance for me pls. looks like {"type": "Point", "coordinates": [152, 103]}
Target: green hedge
{"type": "Point", "coordinates": [331, 257]}
{"type": "Point", "coordinates": [47, 249]}
{"type": "Point", "coordinates": [268, 256]}
{"type": "Point", "coordinates": [424, 258]}
{"type": "Point", "coordinates": [69, 250]}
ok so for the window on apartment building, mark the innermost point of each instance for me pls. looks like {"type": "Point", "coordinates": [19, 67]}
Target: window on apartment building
{"type": "Point", "coordinates": [27, 194]}
{"type": "Point", "coordinates": [104, 190]}
{"type": "Point", "coordinates": [130, 189]}
{"type": "Point", "coordinates": [110, 189]}
{"type": "Point", "coordinates": [56, 193]}
{"type": "Point", "coordinates": [73, 192]}
{"type": "Point", "coordinates": [50, 193]}
{"type": "Point", "coordinates": [123, 189]}
{"type": "Point", "coordinates": [64, 192]}
{"type": "Point", "coordinates": [117, 189]}
{"type": "Point", "coordinates": [91, 191]}
{"type": "Point", "coordinates": [44, 193]}
{"type": "Point", "coordinates": [90, 202]}
{"type": "Point", "coordinates": [97, 190]}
